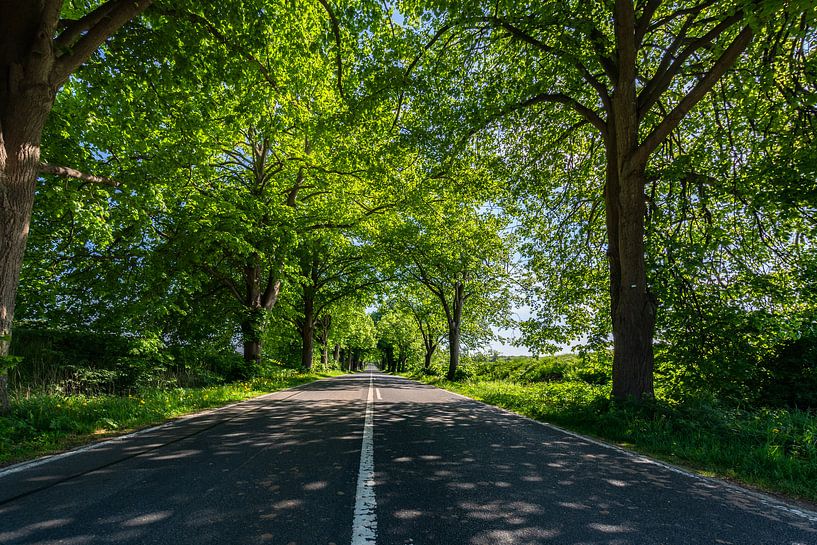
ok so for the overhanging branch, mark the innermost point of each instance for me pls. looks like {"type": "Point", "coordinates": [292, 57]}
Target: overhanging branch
{"type": "Point", "coordinates": [336, 31]}
{"type": "Point", "coordinates": [67, 172]}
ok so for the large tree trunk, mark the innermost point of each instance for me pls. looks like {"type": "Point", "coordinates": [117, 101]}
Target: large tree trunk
{"type": "Point", "coordinates": [26, 99]}
{"type": "Point", "coordinates": [256, 304]}
{"type": "Point", "coordinates": [632, 306]}
{"type": "Point", "coordinates": [336, 353]}
{"type": "Point", "coordinates": [251, 338]}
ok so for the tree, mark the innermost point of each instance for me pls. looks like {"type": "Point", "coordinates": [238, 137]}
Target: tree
{"type": "Point", "coordinates": [353, 333]}
{"type": "Point", "coordinates": [631, 72]}
{"type": "Point", "coordinates": [427, 317]}
{"type": "Point", "coordinates": [397, 338]}
{"type": "Point", "coordinates": [459, 255]}
{"type": "Point", "coordinates": [243, 170]}
{"type": "Point", "coordinates": [39, 51]}
{"type": "Point", "coordinates": [331, 268]}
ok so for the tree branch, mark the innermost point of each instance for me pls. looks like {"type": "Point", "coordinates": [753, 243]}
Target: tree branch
{"type": "Point", "coordinates": [724, 62]}
{"type": "Point", "coordinates": [643, 22]}
{"type": "Point", "coordinates": [121, 11]}
{"type": "Point", "coordinates": [670, 67]}
{"type": "Point", "coordinates": [519, 34]}
{"type": "Point", "coordinates": [67, 172]}
{"type": "Point", "coordinates": [589, 115]}
{"type": "Point", "coordinates": [73, 30]}
{"type": "Point", "coordinates": [336, 31]}
{"type": "Point", "coordinates": [407, 73]}
{"type": "Point", "coordinates": [226, 282]}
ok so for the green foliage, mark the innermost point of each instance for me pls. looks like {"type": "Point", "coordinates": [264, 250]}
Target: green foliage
{"type": "Point", "coordinates": [90, 363]}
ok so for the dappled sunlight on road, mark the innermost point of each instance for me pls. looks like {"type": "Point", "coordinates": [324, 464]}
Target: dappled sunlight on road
{"type": "Point", "coordinates": [447, 471]}
{"type": "Point", "coordinates": [248, 476]}
{"type": "Point", "coordinates": [481, 476]}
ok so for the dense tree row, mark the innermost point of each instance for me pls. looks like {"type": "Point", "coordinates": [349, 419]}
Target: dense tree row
{"type": "Point", "coordinates": [261, 175]}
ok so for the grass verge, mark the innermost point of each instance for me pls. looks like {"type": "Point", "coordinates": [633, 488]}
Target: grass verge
{"type": "Point", "coordinates": [41, 424]}
{"type": "Point", "coordinates": [774, 450]}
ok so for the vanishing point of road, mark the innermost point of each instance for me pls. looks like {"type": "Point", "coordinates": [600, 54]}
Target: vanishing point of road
{"type": "Point", "coordinates": [374, 459]}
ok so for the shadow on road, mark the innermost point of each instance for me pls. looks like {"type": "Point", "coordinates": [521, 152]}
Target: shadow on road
{"type": "Point", "coordinates": [462, 472]}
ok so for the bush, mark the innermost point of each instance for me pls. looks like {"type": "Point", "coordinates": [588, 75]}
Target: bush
{"type": "Point", "coordinates": [77, 362]}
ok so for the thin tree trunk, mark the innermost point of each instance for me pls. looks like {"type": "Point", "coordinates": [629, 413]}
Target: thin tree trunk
{"type": "Point", "coordinates": [428, 355]}
{"type": "Point", "coordinates": [453, 352]}
{"type": "Point", "coordinates": [336, 353]}
{"type": "Point", "coordinates": [454, 324]}
{"type": "Point", "coordinates": [324, 354]}
{"type": "Point", "coordinates": [390, 361]}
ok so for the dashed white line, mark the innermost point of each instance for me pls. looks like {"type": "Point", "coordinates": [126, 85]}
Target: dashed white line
{"type": "Point", "coordinates": [364, 524]}
{"type": "Point", "coordinates": [377, 390]}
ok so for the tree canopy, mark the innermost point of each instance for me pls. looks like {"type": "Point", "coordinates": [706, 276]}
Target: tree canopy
{"type": "Point", "coordinates": [343, 181]}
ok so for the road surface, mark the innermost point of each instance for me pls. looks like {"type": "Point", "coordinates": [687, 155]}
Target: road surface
{"type": "Point", "coordinates": [369, 458]}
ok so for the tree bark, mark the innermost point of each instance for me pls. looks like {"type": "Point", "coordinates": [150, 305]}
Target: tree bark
{"type": "Point", "coordinates": [454, 332]}
{"type": "Point", "coordinates": [632, 306]}
{"type": "Point", "coordinates": [325, 323]}
{"type": "Point", "coordinates": [26, 98]}
{"type": "Point", "coordinates": [429, 353]}
{"type": "Point", "coordinates": [336, 353]}
{"type": "Point", "coordinates": [256, 304]}
{"type": "Point", "coordinates": [453, 352]}
{"type": "Point", "coordinates": [307, 332]}
{"type": "Point", "coordinates": [251, 338]}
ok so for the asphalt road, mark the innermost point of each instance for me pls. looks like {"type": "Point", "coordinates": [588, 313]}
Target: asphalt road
{"type": "Point", "coordinates": [294, 467]}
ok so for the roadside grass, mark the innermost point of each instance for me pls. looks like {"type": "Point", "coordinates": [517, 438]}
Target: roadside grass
{"type": "Point", "coordinates": [771, 449]}
{"type": "Point", "coordinates": [45, 423]}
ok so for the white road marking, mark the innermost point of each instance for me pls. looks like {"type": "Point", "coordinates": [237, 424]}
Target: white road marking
{"type": "Point", "coordinates": [364, 524]}
{"type": "Point", "coordinates": [377, 390]}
